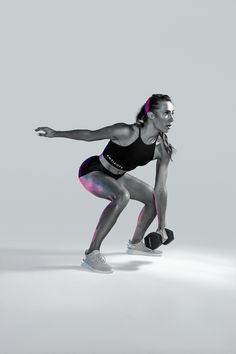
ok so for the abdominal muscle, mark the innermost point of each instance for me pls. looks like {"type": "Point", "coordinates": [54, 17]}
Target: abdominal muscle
{"type": "Point", "coordinates": [110, 167]}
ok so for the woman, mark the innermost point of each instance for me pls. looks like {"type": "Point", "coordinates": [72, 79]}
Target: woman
{"type": "Point", "coordinates": [106, 176]}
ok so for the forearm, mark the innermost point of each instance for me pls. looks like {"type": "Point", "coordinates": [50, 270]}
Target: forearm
{"type": "Point", "coordinates": [161, 205]}
{"type": "Point", "coordinates": [79, 134]}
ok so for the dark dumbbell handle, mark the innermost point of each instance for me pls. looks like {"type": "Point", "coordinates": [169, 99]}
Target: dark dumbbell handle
{"type": "Point", "coordinates": [170, 235]}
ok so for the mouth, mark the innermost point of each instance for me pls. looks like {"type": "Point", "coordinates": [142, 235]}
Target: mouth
{"type": "Point", "coordinates": [168, 126]}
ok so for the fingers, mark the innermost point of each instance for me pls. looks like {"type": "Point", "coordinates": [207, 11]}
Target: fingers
{"type": "Point", "coordinates": [41, 128]}
{"type": "Point", "coordinates": [163, 234]}
{"type": "Point", "coordinates": [40, 134]}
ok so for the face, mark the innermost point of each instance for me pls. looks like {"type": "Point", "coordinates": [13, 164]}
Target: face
{"type": "Point", "coordinates": [163, 116]}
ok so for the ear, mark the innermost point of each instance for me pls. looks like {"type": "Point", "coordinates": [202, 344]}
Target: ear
{"type": "Point", "coordinates": [150, 115]}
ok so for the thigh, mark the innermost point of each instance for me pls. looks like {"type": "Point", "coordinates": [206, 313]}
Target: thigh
{"type": "Point", "coordinates": [103, 186]}
{"type": "Point", "coordinates": [137, 189]}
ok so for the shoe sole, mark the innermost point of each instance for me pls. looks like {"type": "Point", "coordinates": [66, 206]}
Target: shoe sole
{"type": "Point", "coordinates": [143, 253]}
{"type": "Point", "coordinates": [86, 265]}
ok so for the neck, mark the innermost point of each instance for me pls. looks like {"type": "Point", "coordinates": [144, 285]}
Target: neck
{"type": "Point", "coordinates": [150, 130]}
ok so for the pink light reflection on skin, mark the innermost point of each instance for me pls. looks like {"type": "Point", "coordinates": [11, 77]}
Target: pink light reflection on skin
{"type": "Point", "coordinates": [90, 186]}
{"type": "Point", "coordinates": [98, 189]}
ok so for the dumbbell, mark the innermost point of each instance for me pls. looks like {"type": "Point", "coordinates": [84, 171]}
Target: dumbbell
{"type": "Point", "coordinates": [154, 239]}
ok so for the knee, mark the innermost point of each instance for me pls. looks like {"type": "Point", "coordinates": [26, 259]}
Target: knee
{"type": "Point", "coordinates": [122, 198]}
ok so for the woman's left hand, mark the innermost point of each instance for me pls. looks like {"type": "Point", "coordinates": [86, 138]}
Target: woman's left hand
{"type": "Point", "coordinates": [163, 234]}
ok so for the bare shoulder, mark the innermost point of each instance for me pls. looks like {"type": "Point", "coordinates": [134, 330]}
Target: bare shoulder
{"type": "Point", "coordinates": [126, 135]}
{"type": "Point", "coordinates": [122, 131]}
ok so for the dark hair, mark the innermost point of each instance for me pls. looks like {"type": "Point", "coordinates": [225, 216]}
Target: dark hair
{"type": "Point", "coordinates": [141, 118]}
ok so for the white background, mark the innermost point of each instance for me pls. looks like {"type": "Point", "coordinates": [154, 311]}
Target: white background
{"type": "Point", "coordinates": [88, 64]}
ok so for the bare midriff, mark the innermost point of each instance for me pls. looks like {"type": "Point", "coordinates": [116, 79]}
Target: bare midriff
{"type": "Point", "coordinates": [110, 167]}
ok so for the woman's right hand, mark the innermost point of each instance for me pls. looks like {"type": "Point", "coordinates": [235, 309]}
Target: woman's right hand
{"type": "Point", "coordinates": [49, 133]}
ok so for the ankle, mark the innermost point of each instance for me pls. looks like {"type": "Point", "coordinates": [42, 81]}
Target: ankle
{"type": "Point", "coordinates": [135, 241]}
{"type": "Point", "coordinates": [90, 251]}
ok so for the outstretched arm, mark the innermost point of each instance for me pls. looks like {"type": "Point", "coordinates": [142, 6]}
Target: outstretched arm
{"type": "Point", "coordinates": [77, 134]}
{"type": "Point", "coordinates": [80, 134]}
{"type": "Point", "coordinates": [113, 131]}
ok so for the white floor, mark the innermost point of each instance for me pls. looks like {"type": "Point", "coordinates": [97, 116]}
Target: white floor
{"type": "Point", "coordinates": [181, 302]}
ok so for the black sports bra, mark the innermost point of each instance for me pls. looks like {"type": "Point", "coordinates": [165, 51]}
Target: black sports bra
{"type": "Point", "coordinates": [129, 157]}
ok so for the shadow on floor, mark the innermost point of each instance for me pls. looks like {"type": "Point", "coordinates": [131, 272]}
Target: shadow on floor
{"type": "Point", "coordinates": [17, 260]}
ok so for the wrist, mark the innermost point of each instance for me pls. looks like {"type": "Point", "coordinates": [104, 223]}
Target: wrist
{"type": "Point", "coordinates": [58, 134]}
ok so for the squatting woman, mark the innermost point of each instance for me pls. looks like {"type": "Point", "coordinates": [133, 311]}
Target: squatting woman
{"type": "Point", "coordinates": [106, 175]}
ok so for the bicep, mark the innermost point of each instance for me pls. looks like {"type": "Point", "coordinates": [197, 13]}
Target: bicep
{"type": "Point", "coordinates": [161, 173]}
{"type": "Point", "coordinates": [157, 152]}
{"type": "Point", "coordinates": [160, 151]}
{"type": "Point", "coordinates": [115, 131]}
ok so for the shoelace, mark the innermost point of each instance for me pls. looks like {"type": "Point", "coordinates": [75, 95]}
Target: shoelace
{"type": "Point", "coordinates": [146, 248]}
{"type": "Point", "coordinates": [101, 257]}
{"type": "Point", "coordinates": [143, 246]}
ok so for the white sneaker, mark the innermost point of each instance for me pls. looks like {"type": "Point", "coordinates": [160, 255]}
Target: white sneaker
{"type": "Point", "coordinates": [140, 249]}
{"type": "Point", "coordinates": [96, 262]}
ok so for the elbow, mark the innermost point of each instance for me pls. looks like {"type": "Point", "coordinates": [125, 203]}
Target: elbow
{"type": "Point", "coordinates": [88, 135]}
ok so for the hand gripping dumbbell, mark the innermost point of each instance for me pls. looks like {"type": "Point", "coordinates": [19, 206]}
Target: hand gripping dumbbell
{"type": "Point", "coordinates": [154, 239]}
